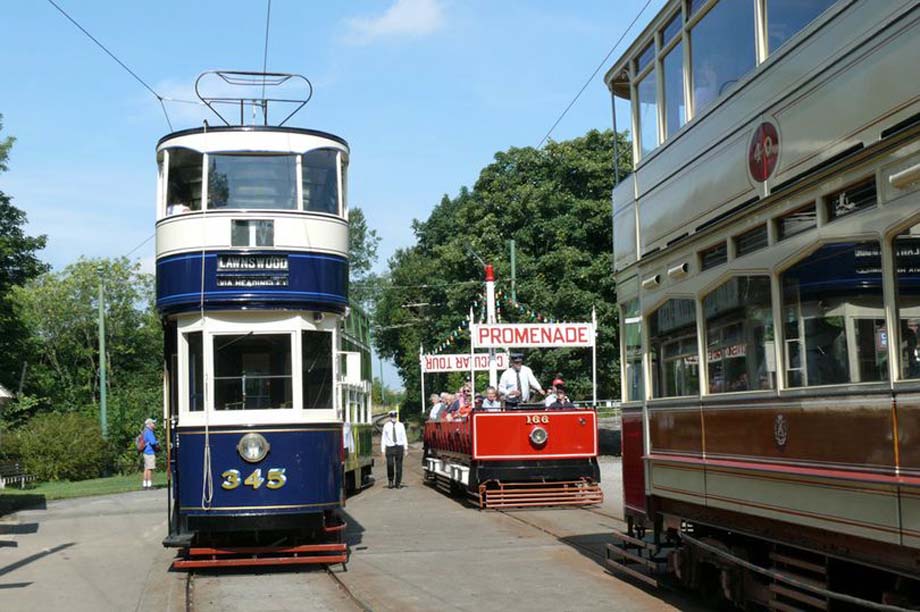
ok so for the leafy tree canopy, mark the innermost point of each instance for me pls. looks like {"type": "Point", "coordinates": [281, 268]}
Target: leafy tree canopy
{"type": "Point", "coordinates": [555, 203]}
{"type": "Point", "coordinates": [362, 246]}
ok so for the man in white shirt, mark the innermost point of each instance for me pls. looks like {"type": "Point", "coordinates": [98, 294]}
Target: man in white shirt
{"type": "Point", "coordinates": [517, 381]}
{"type": "Point", "coordinates": [393, 445]}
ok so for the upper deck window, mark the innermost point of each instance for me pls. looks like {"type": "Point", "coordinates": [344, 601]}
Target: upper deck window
{"type": "Point", "coordinates": [320, 181]}
{"type": "Point", "coordinates": [648, 113]}
{"type": "Point", "coordinates": [183, 189]}
{"type": "Point", "coordinates": [787, 17]}
{"type": "Point", "coordinates": [672, 28]}
{"type": "Point", "coordinates": [675, 110]}
{"type": "Point", "coordinates": [722, 49]}
{"type": "Point", "coordinates": [256, 182]}
{"type": "Point", "coordinates": [646, 57]}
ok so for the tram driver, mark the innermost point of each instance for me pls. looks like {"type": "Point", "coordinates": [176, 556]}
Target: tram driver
{"type": "Point", "coordinates": [517, 382]}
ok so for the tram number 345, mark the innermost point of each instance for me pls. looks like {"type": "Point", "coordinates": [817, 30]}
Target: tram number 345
{"type": "Point", "coordinates": [274, 479]}
{"type": "Point", "coordinates": [534, 419]}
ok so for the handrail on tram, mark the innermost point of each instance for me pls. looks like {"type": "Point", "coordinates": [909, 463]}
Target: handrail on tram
{"type": "Point", "coordinates": [243, 78]}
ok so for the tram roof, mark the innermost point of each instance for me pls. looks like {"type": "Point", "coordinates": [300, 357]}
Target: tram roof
{"type": "Point", "coordinates": [253, 129]}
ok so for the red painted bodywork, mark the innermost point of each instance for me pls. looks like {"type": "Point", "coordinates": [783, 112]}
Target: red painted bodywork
{"type": "Point", "coordinates": [498, 436]}
{"type": "Point", "coordinates": [633, 468]}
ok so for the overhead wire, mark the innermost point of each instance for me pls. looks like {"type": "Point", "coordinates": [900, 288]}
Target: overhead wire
{"type": "Point", "coordinates": [105, 49]}
{"type": "Point", "coordinates": [594, 74]}
{"type": "Point", "coordinates": [268, 18]}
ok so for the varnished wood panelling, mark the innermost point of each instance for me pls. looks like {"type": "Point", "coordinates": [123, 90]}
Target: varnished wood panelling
{"type": "Point", "coordinates": [676, 430]}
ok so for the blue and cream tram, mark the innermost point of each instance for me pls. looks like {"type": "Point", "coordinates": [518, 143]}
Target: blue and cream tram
{"type": "Point", "coordinates": [252, 289]}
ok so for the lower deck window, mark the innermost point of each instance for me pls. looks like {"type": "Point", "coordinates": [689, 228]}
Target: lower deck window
{"type": "Point", "coordinates": [834, 317]}
{"type": "Point", "coordinates": [316, 355]}
{"type": "Point", "coordinates": [673, 349]}
{"type": "Point", "coordinates": [252, 372]}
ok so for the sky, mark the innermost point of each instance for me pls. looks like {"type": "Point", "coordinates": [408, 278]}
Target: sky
{"type": "Point", "coordinates": [424, 91]}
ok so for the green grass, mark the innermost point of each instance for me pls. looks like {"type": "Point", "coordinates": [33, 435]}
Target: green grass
{"type": "Point", "coordinates": [13, 498]}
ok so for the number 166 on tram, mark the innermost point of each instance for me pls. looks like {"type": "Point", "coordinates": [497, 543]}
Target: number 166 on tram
{"type": "Point", "coordinates": [265, 405]}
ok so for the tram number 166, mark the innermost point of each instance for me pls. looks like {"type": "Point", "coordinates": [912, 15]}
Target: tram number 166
{"type": "Point", "coordinates": [534, 419]}
{"type": "Point", "coordinates": [275, 479]}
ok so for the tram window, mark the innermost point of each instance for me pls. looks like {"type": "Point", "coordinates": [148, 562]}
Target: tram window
{"type": "Point", "coordinates": [673, 349]}
{"type": "Point", "coordinates": [316, 364]}
{"type": "Point", "coordinates": [632, 332]}
{"type": "Point", "coordinates": [256, 182]}
{"type": "Point", "coordinates": [785, 18]}
{"type": "Point", "coordinates": [183, 190]}
{"type": "Point", "coordinates": [852, 199]}
{"type": "Point", "coordinates": [320, 181]}
{"type": "Point", "coordinates": [750, 241]}
{"type": "Point", "coordinates": [739, 335]}
{"type": "Point", "coordinates": [648, 113]}
{"type": "Point", "coordinates": [672, 29]}
{"type": "Point", "coordinates": [713, 256]}
{"type": "Point", "coordinates": [675, 110]}
{"type": "Point", "coordinates": [797, 221]}
{"type": "Point", "coordinates": [248, 233]}
{"type": "Point", "coordinates": [195, 372]}
{"type": "Point", "coordinates": [252, 372]}
{"type": "Point", "coordinates": [645, 58]}
{"type": "Point", "coordinates": [834, 317]}
{"type": "Point", "coordinates": [907, 264]}
{"type": "Point", "coordinates": [722, 50]}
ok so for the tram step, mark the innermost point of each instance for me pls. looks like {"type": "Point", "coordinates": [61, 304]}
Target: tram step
{"type": "Point", "coordinates": [784, 607]}
{"type": "Point", "coordinates": [628, 540]}
{"type": "Point", "coordinates": [799, 596]}
{"type": "Point", "coordinates": [779, 558]}
{"type": "Point", "coordinates": [620, 567]}
{"type": "Point", "coordinates": [650, 563]}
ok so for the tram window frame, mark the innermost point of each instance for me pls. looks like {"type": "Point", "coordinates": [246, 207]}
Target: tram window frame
{"type": "Point", "coordinates": [757, 353]}
{"type": "Point", "coordinates": [235, 338]}
{"type": "Point", "coordinates": [908, 337]}
{"type": "Point", "coordinates": [193, 340]}
{"type": "Point", "coordinates": [774, 41]}
{"type": "Point", "coordinates": [674, 351]}
{"type": "Point", "coordinates": [743, 244]}
{"type": "Point", "coordinates": [252, 233]}
{"type": "Point", "coordinates": [818, 349]}
{"type": "Point", "coordinates": [795, 222]}
{"type": "Point", "coordinates": [186, 178]}
{"type": "Point", "coordinates": [310, 171]}
{"type": "Point", "coordinates": [633, 371]}
{"type": "Point", "coordinates": [720, 251]}
{"type": "Point", "coordinates": [232, 158]}
{"type": "Point", "coordinates": [307, 381]}
{"type": "Point", "coordinates": [701, 22]}
{"type": "Point", "coordinates": [837, 200]}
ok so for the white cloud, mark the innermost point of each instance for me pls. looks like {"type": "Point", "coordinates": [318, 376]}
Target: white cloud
{"type": "Point", "coordinates": [403, 18]}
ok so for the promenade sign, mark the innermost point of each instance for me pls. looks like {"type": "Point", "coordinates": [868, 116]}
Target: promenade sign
{"type": "Point", "coordinates": [532, 335]}
{"type": "Point", "coordinates": [462, 363]}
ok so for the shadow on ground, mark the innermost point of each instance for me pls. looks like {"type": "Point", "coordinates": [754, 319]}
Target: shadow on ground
{"type": "Point", "coordinates": [15, 502]}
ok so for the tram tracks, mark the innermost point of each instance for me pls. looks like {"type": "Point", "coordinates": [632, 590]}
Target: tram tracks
{"type": "Point", "coordinates": [197, 602]}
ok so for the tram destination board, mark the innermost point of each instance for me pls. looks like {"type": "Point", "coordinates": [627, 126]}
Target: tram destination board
{"type": "Point", "coordinates": [257, 270]}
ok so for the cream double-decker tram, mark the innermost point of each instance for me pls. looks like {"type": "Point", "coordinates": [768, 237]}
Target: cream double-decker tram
{"type": "Point", "coordinates": [252, 287]}
{"type": "Point", "coordinates": [767, 259]}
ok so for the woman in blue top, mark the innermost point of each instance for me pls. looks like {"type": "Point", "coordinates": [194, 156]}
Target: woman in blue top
{"type": "Point", "coordinates": [150, 452]}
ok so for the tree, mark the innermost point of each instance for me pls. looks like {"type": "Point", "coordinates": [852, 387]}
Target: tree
{"type": "Point", "coordinates": [555, 203]}
{"type": "Point", "coordinates": [362, 252]}
{"type": "Point", "coordinates": [60, 309]}
{"type": "Point", "coordinates": [18, 264]}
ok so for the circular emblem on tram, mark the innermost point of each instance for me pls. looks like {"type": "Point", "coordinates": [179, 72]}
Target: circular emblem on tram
{"type": "Point", "coordinates": [780, 430]}
{"type": "Point", "coordinates": [763, 152]}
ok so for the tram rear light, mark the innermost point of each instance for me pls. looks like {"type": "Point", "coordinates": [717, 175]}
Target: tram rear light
{"type": "Point", "coordinates": [253, 447]}
{"type": "Point", "coordinates": [538, 436]}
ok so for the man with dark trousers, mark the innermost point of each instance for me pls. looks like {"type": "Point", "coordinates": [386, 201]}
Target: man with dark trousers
{"type": "Point", "coordinates": [393, 445]}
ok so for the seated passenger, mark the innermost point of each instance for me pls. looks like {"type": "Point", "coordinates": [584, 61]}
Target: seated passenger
{"type": "Point", "coordinates": [491, 403]}
{"type": "Point", "coordinates": [562, 400]}
{"type": "Point", "coordinates": [436, 407]}
{"type": "Point", "coordinates": [177, 208]}
{"type": "Point", "coordinates": [451, 406]}
{"type": "Point", "coordinates": [550, 399]}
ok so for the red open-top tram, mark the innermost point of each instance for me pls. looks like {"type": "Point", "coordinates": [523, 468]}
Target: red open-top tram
{"type": "Point", "coordinates": [531, 456]}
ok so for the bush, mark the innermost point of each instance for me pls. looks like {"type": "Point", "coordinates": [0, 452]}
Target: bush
{"type": "Point", "coordinates": [63, 446]}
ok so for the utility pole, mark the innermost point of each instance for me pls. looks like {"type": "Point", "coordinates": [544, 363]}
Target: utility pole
{"type": "Point", "coordinates": [103, 418]}
{"type": "Point", "coordinates": [513, 271]}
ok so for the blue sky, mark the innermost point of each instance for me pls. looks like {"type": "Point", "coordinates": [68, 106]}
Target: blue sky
{"type": "Point", "coordinates": [425, 92]}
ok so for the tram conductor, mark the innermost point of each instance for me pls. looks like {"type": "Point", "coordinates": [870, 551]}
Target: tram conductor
{"type": "Point", "coordinates": [394, 445]}
{"type": "Point", "coordinates": [517, 382]}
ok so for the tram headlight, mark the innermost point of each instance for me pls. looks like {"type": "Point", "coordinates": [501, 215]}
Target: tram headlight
{"type": "Point", "coordinates": [538, 436]}
{"type": "Point", "coordinates": [253, 447]}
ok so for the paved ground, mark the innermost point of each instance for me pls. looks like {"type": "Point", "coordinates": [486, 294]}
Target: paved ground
{"type": "Point", "coordinates": [412, 549]}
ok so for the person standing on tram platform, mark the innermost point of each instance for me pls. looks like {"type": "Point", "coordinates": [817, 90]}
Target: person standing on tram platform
{"type": "Point", "coordinates": [517, 382]}
{"type": "Point", "coordinates": [394, 445]}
